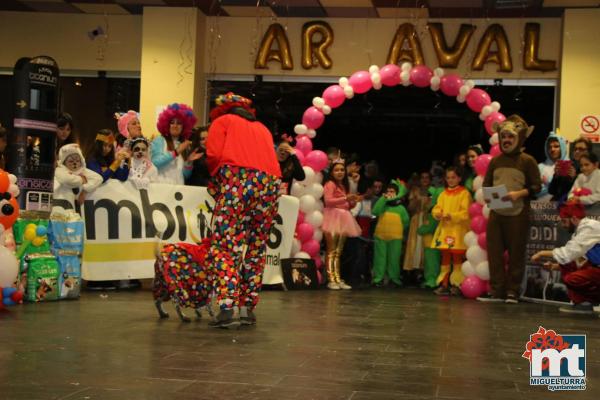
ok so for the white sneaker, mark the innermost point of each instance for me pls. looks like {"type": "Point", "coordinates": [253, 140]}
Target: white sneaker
{"type": "Point", "coordinates": [333, 286]}
{"type": "Point", "coordinates": [344, 285]}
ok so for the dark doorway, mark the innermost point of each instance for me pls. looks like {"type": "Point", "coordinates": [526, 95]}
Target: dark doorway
{"type": "Point", "coordinates": [403, 128]}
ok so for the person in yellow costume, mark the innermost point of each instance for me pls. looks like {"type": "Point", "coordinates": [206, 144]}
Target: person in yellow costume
{"type": "Point", "coordinates": [389, 234]}
{"type": "Point", "coordinates": [452, 210]}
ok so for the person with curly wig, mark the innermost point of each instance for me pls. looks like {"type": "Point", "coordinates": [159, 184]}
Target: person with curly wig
{"type": "Point", "coordinates": [171, 151]}
{"type": "Point", "coordinates": [245, 185]}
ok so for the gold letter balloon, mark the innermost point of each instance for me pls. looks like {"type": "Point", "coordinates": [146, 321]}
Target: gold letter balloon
{"type": "Point", "coordinates": [314, 53]}
{"type": "Point", "coordinates": [495, 33]}
{"type": "Point", "coordinates": [282, 54]}
{"type": "Point", "coordinates": [532, 46]}
{"type": "Point", "coordinates": [413, 54]}
{"type": "Point", "coordinates": [449, 57]}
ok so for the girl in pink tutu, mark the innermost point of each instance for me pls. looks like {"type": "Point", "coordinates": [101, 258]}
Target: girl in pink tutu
{"type": "Point", "coordinates": [338, 223]}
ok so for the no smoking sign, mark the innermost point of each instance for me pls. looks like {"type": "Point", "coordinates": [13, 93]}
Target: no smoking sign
{"type": "Point", "coordinates": [590, 124]}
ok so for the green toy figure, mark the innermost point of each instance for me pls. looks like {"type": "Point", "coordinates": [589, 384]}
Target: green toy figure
{"type": "Point", "coordinates": [389, 234]}
{"type": "Point", "coordinates": [432, 255]}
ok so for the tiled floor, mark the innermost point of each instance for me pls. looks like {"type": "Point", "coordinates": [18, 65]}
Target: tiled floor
{"type": "Point", "coordinates": [373, 344]}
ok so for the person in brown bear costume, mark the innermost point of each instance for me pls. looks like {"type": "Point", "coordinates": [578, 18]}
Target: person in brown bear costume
{"type": "Point", "coordinates": [508, 228]}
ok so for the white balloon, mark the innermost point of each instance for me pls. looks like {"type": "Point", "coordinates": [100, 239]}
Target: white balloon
{"type": "Point", "coordinates": [377, 85]}
{"type": "Point", "coordinates": [315, 190]}
{"type": "Point", "coordinates": [300, 129]}
{"type": "Point", "coordinates": [311, 133]}
{"type": "Point", "coordinates": [470, 83]}
{"type": "Point", "coordinates": [479, 196]}
{"type": "Point", "coordinates": [14, 190]}
{"type": "Point", "coordinates": [464, 90]}
{"type": "Point", "coordinates": [460, 98]}
{"type": "Point", "coordinates": [343, 82]}
{"type": "Point", "coordinates": [307, 203]}
{"type": "Point", "coordinates": [494, 139]}
{"type": "Point", "coordinates": [318, 177]}
{"type": "Point", "coordinates": [296, 246]}
{"type": "Point", "coordinates": [298, 189]}
{"type": "Point", "coordinates": [318, 235]}
{"type": "Point", "coordinates": [483, 270]}
{"type": "Point", "coordinates": [315, 218]}
{"type": "Point", "coordinates": [476, 255]}
{"type": "Point", "coordinates": [348, 92]}
{"type": "Point", "coordinates": [435, 88]}
{"type": "Point", "coordinates": [375, 78]}
{"type": "Point", "coordinates": [302, 254]}
{"type": "Point", "coordinates": [309, 175]}
{"type": "Point", "coordinates": [495, 106]}
{"type": "Point", "coordinates": [481, 117]}
{"type": "Point", "coordinates": [477, 182]}
{"type": "Point", "coordinates": [373, 69]}
{"type": "Point", "coordinates": [486, 212]}
{"type": "Point", "coordinates": [405, 76]}
{"type": "Point", "coordinates": [486, 110]}
{"type": "Point", "coordinates": [12, 178]}
{"type": "Point", "coordinates": [435, 81]}
{"type": "Point", "coordinates": [438, 72]}
{"type": "Point", "coordinates": [467, 269]}
{"type": "Point", "coordinates": [470, 239]}
{"type": "Point", "coordinates": [326, 109]}
{"type": "Point", "coordinates": [320, 206]}
{"type": "Point", "coordinates": [406, 66]}
{"type": "Point", "coordinates": [9, 267]}
{"type": "Point", "coordinates": [318, 102]}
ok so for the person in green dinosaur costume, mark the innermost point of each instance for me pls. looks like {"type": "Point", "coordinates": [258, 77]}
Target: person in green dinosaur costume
{"type": "Point", "coordinates": [389, 234]}
{"type": "Point", "coordinates": [432, 261]}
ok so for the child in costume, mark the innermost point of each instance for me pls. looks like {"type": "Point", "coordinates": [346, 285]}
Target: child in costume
{"type": "Point", "coordinates": [141, 170]}
{"type": "Point", "coordinates": [587, 185]}
{"type": "Point", "coordinates": [103, 160]}
{"type": "Point", "coordinates": [129, 128]}
{"type": "Point", "coordinates": [556, 150]}
{"type": "Point", "coordinates": [338, 222]}
{"type": "Point", "coordinates": [71, 178]}
{"type": "Point", "coordinates": [432, 256]}
{"type": "Point", "coordinates": [452, 212]}
{"type": "Point", "coordinates": [171, 151]}
{"type": "Point", "coordinates": [245, 185]}
{"type": "Point", "coordinates": [389, 233]}
{"type": "Point", "coordinates": [419, 202]}
{"type": "Point", "coordinates": [508, 228]}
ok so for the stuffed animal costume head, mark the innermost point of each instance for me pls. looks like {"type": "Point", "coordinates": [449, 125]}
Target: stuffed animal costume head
{"type": "Point", "coordinates": [512, 134]}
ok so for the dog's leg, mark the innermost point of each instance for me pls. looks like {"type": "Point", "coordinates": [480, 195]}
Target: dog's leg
{"type": "Point", "coordinates": [182, 316]}
{"type": "Point", "coordinates": [198, 313]}
{"type": "Point", "coordinates": [161, 311]}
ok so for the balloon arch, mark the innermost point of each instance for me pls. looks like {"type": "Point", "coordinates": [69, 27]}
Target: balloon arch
{"type": "Point", "coordinates": [308, 232]}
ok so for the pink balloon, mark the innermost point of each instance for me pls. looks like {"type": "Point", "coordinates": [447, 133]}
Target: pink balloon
{"type": "Point", "coordinates": [490, 119]}
{"type": "Point", "coordinates": [472, 287]}
{"type": "Point", "coordinates": [317, 160]}
{"type": "Point", "coordinates": [478, 224]}
{"type": "Point", "coordinates": [482, 240]}
{"type": "Point", "coordinates": [300, 156]}
{"type": "Point", "coordinates": [420, 76]}
{"type": "Point", "coordinates": [320, 277]}
{"type": "Point", "coordinates": [477, 99]}
{"type": "Point", "coordinates": [300, 219]}
{"type": "Point", "coordinates": [495, 150]}
{"type": "Point", "coordinates": [313, 118]}
{"type": "Point", "coordinates": [482, 163]}
{"type": "Point", "coordinates": [361, 82]}
{"type": "Point", "coordinates": [475, 209]}
{"type": "Point", "coordinates": [304, 145]}
{"type": "Point", "coordinates": [334, 96]}
{"type": "Point", "coordinates": [318, 261]}
{"type": "Point", "coordinates": [312, 247]}
{"type": "Point", "coordinates": [390, 75]}
{"type": "Point", "coordinates": [305, 232]}
{"type": "Point", "coordinates": [450, 84]}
